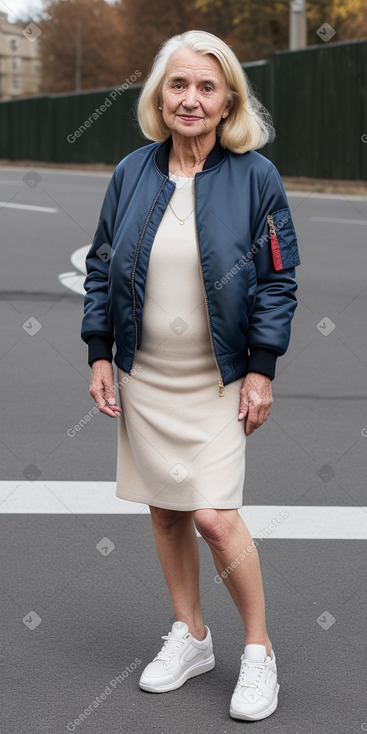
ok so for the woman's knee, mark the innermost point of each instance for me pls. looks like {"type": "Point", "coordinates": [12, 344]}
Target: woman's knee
{"type": "Point", "coordinates": [165, 519]}
{"type": "Point", "coordinates": [214, 526]}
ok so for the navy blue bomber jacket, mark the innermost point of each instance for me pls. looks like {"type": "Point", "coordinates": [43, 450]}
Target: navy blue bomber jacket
{"type": "Point", "coordinates": [247, 253]}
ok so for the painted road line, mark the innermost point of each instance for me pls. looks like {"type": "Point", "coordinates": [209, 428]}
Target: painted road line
{"type": "Point", "coordinates": [64, 497]}
{"type": "Point", "coordinates": [28, 207]}
{"type": "Point", "coordinates": [73, 281]}
{"type": "Point", "coordinates": [264, 521]}
{"type": "Point", "coordinates": [62, 171]}
{"type": "Point", "coordinates": [306, 522]}
{"type": "Point", "coordinates": [78, 258]}
{"type": "Point", "coordinates": [339, 221]}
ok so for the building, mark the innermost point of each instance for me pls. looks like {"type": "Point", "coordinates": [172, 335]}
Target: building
{"type": "Point", "coordinates": [20, 65]}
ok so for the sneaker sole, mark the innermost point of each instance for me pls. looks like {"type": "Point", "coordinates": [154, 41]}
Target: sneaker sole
{"type": "Point", "coordinates": [190, 673]}
{"type": "Point", "coordinates": [257, 717]}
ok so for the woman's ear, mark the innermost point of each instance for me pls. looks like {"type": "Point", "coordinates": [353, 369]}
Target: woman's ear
{"type": "Point", "coordinates": [228, 108]}
{"type": "Point", "coordinates": [159, 98]}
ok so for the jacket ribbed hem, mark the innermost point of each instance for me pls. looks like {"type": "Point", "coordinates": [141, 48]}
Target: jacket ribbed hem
{"type": "Point", "coordinates": [262, 361]}
{"type": "Point", "coordinates": [99, 348]}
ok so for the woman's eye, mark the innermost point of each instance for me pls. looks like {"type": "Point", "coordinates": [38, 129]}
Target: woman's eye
{"type": "Point", "coordinates": [178, 85]}
{"type": "Point", "coordinates": [207, 89]}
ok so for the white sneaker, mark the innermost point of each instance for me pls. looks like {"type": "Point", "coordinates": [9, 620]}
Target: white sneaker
{"type": "Point", "coordinates": [256, 694]}
{"type": "Point", "coordinates": [181, 657]}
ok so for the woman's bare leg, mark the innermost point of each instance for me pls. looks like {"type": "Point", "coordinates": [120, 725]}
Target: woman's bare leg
{"type": "Point", "coordinates": [229, 539]}
{"type": "Point", "coordinates": [178, 552]}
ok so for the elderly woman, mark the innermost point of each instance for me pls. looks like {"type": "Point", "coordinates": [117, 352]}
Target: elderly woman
{"type": "Point", "coordinates": [192, 275]}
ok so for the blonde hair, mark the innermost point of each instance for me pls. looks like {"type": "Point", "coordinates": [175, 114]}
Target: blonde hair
{"type": "Point", "coordinates": [248, 126]}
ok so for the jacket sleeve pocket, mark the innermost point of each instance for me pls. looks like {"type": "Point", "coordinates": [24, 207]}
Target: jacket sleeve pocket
{"type": "Point", "coordinates": [283, 239]}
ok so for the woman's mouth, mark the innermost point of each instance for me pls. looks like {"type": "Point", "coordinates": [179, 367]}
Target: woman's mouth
{"type": "Point", "coordinates": [189, 118]}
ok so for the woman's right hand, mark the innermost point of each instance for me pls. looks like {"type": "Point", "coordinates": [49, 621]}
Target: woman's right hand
{"type": "Point", "coordinates": [102, 388]}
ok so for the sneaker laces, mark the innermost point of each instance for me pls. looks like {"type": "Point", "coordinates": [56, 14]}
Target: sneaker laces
{"type": "Point", "coordinates": [250, 673]}
{"type": "Point", "coordinates": [170, 647]}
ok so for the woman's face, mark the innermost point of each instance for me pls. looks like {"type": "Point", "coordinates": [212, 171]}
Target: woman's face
{"type": "Point", "coordinates": [194, 94]}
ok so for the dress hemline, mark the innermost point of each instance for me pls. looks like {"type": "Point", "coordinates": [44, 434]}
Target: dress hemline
{"type": "Point", "coordinates": [175, 506]}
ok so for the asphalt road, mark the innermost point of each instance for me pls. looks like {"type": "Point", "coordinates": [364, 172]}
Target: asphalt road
{"type": "Point", "coordinates": [100, 613]}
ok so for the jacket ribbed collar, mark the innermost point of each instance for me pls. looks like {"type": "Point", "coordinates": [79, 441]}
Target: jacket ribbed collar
{"type": "Point", "coordinates": [216, 154]}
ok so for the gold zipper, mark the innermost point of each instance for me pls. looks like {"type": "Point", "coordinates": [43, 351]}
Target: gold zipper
{"type": "Point", "coordinates": [135, 263]}
{"type": "Point", "coordinates": [220, 379]}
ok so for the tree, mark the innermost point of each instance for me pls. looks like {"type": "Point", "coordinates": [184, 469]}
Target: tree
{"type": "Point", "coordinates": [89, 44]}
{"type": "Point", "coordinates": [147, 24]}
{"type": "Point", "coordinates": [81, 45]}
{"type": "Point", "coordinates": [241, 23]}
{"type": "Point", "coordinates": [254, 29]}
{"type": "Point", "coordinates": [257, 29]}
{"type": "Point", "coordinates": [347, 17]}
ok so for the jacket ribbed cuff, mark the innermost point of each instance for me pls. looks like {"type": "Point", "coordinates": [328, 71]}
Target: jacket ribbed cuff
{"type": "Point", "coordinates": [262, 361]}
{"type": "Point", "coordinates": [99, 348]}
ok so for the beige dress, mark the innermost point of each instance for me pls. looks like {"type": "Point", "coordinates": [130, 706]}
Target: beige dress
{"type": "Point", "coordinates": [180, 445]}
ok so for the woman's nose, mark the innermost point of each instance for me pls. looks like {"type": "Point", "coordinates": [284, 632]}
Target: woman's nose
{"type": "Point", "coordinates": [190, 98]}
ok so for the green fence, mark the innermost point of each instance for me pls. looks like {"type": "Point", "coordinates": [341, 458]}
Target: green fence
{"type": "Point", "coordinates": [73, 128]}
{"type": "Point", "coordinates": [317, 98]}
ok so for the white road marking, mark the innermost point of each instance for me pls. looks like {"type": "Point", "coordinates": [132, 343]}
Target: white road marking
{"type": "Point", "coordinates": [335, 220]}
{"type": "Point", "coordinates": [264, 521]}
{"type": "Point", "coordinates": [61, 171]}
{"type": "Point", "coordinates": [75, 280]}
{"type": "Point", "coordinates": [78, 258]}
{"type": "Point", "coordinates": [28, 207]}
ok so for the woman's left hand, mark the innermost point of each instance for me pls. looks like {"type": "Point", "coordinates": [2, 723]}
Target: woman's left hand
{"type": "Point", "coordinates": [256, 401]}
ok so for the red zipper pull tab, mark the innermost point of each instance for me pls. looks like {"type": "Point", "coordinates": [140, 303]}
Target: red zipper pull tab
{"type": "Point", "coordinates": [274, 244]}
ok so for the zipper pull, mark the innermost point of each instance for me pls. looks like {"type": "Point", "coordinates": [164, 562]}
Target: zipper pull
{"type": "Point", "coordinates": [271, 223]}
{"type": "Point", "coordinates": [274, 245]}
{"type": "Point", "coordinates": [221, 387]}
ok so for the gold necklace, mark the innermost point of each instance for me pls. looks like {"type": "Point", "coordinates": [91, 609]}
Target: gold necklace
{"type": "Point", "coordinates": [182, 221]}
